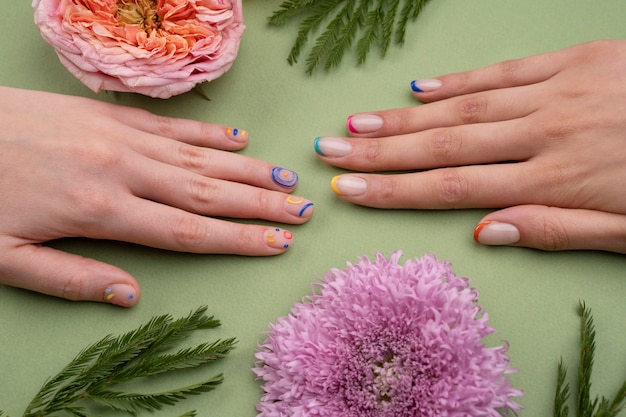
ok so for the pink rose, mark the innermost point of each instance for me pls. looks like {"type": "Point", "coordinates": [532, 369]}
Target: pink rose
{"type": "Point", "coordinates": [159, 48]}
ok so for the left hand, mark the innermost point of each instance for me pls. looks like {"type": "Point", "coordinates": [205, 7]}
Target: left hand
{"type": "Point", "coordinates": [543, 137]}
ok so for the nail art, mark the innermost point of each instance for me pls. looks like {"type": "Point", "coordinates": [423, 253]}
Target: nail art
{"type": "Point", "coordinates": [332, 146]}
{"type": "Point", "coordinates": [425, 86]}
{"type": "Point", "coordinates": [284, 177]}
{"type": "Point", "coordinates": [348, 185]}
{"type": "Point", "coordinates": [496, 233]}
{"type": "Point", "coordinates": [119, 294]}
{"type": "Point", "coordinates": [297, 206]}
{"type": "Point", "coordinates": [236, 134]}
{"type": "Point", "coordinates": [364, 123]}
{"type": "Point", "coordinates": [278, 238]}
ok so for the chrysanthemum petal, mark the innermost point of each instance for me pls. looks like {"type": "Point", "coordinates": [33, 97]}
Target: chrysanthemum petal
{"type": "Point", "coordinates": [382, 339]}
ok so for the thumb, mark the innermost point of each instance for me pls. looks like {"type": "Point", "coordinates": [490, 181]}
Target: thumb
{"type": "Point", "coordinates": [54, 272]}
{"type": "Point", "coordinates": [553, 229]}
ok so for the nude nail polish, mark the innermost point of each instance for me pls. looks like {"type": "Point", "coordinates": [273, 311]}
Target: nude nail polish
{"type": "Point", "coordinates": [348, 185]}
{"type": "Point", "coordinates": [496, 233]}
{"type": "Point", "coordinates": [364, 123]}
{"type": "Point", "coordinates": [278, 238]}
{"type": "Point", "coordinates": [120, 294]}
{"type": "Point", "coordinates": [298, 206]}
{"type": "Point", "coordinates": [425, 86]}
{"type": "Point", "coordinates": [238, 135]}
{"type": "Point", "coordinates": [332, 146]}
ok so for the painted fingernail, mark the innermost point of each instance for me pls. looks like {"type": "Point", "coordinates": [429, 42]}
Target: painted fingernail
{"type": "Point", "coordinates": [496, 233]}
{"type": "Point", "coordinates": [425, 86]}
{"type": "Point", "coordinates": [364, 123]}
{"type": "Point", "coordinates": [238, 135]}
{"type": "Point", "coordinates": [298, 206]}
{"type": "Point", "coordinates": [348, 185]}
{"type": "Point", "coordinates": [284, 177]}
{"type": "Point", "coordinates": [278, 238]}
{"type": "Point", "coordinates": [332, 146]}
{"type": "Point", "coordinates": [120, 294]}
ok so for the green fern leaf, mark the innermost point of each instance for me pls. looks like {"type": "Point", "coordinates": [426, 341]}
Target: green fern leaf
{"type": "Point", "coordinates": [384, 21]}
{"type": "Point", "coordinates": [585, 405]}
{"type": "Point", "coordinates": [562, 392]}
{"type": "Point", "coordinates": [133, 403]}
{"type": "Point", "coordinates": [143, 352]}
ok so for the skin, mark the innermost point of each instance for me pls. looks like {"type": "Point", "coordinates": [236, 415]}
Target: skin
{"type": "Point", "coordinates": [75, 167]}
{"type": "Point", "coordinates": [543, 138]}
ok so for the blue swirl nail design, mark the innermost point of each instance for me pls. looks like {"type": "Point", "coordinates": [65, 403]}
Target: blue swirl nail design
{"type": "Point", "coordinates": [284, 177]}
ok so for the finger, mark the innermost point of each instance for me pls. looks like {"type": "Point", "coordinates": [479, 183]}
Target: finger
{"type": "Point", "coordinates": [209, 196]}
{"type": "Point", "coordinates": [489, 106]}
{"type": "Point", "coordinates": [505, 74]}
{"type": "Point", "coordinates": [219, 164]}
{"type": "Point", "coordinates": [149, 223]}
{"type": "Point", "coordinates": [60, 274]}
{"type": "Point", "coordinates": [553, 229]}
{"type": "Point", "coordinates": [498, 185]}
{"type": "Point", "coordinates": [189, 131]}
{"type": "Point", "coordinates": [434, 148]}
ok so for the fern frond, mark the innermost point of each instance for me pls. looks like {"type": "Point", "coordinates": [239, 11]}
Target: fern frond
{"type": "Point", "coordinates": [289, 9]}
{"type": "Point", "coordinates": [309, 24]}
{"type": "Point", "coordinates": [585, 406]}
{"type": "Point", "coordinates": [370, 35]}
{"type": "Point", "coordinates": [326, 40]}
{"type": "Point", "coordinates": [343, 25]}
{"type": "Point", "coordinates": [391, 10]}
{"type": "Point", "coordinates": [183, 359]}
{"type": "Point", "coordinates": [562, 392]}
{"type": "Point", "coordinates": [347, 35]}
{"type": "Point", "coordinates": [142, 352]}
{"type": "Point", "coordinates": [133, 402]}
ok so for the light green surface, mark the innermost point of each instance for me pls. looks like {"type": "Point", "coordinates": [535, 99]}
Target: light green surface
{"type": "Point", "coordinates": [530, 295]}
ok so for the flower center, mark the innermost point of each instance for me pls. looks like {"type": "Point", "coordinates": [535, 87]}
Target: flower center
{"type": "Point", "coordinates": [138, 12]}
{"type": "Point", "coordinates": [385, 377]}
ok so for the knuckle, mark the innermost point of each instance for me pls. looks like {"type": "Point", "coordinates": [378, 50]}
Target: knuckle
{"type": "Point", "coordinates": [189, 232]}
{"type": "Point", "coordinates": [192, 158]}
{"type": "Point", "coordinates": [387, 187]}
{"type": "Point", "coordinates": [74, 288]}
{"type": "Point", "coordinates": [203, 191]}
{"type": "Point", "coordinates": [444, 145]}
{"type": "Point", "coordinates": [101, 154]}
{"type": "Point", "coordinates": [452, 188]}
{"type": "Point", "coordinates": [509, 70]}
{"type": "Point", "coordinates": [553, 236]}
{"type": "Point", "coordinates": [560, 129]}
{"type": "Point", "coordinates": [373, 150]}
{"type": "Point", "coordinates": [472, 109]}
{"type": "Point", "coordinates": [91, 203]}
{"type": "Point", "coordinates": [163, 125]}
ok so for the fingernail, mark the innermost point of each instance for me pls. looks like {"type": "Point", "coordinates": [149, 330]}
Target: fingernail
{"type": "Point", "coordinates": [284, 177]}
{"type": "Point", "coordinates": [332, 146]}
{"type": "Point", "coordinates": [348, 185]}
{"type": "Point", "coordinates": [364, 123]}
{"type": "Point", "coordinates": [425, 86]}
{"type": "Point", "coordinates": [298, 206]}
{"type": "Point", "coordinates": [496, 233]}
{"type": "Point", "coordinates": [120, 294]}
{"type": "Point", "coordinates": [278, 238]}
{"type": "Point", "coordinates": [238, 135]}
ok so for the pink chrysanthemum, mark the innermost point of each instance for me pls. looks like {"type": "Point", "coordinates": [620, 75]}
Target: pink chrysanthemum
{"type": "Point", "coordinates": [383, 339]}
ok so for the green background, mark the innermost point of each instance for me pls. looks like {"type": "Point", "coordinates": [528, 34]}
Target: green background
{"type": "Point", "coordinates": [531, 296]}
